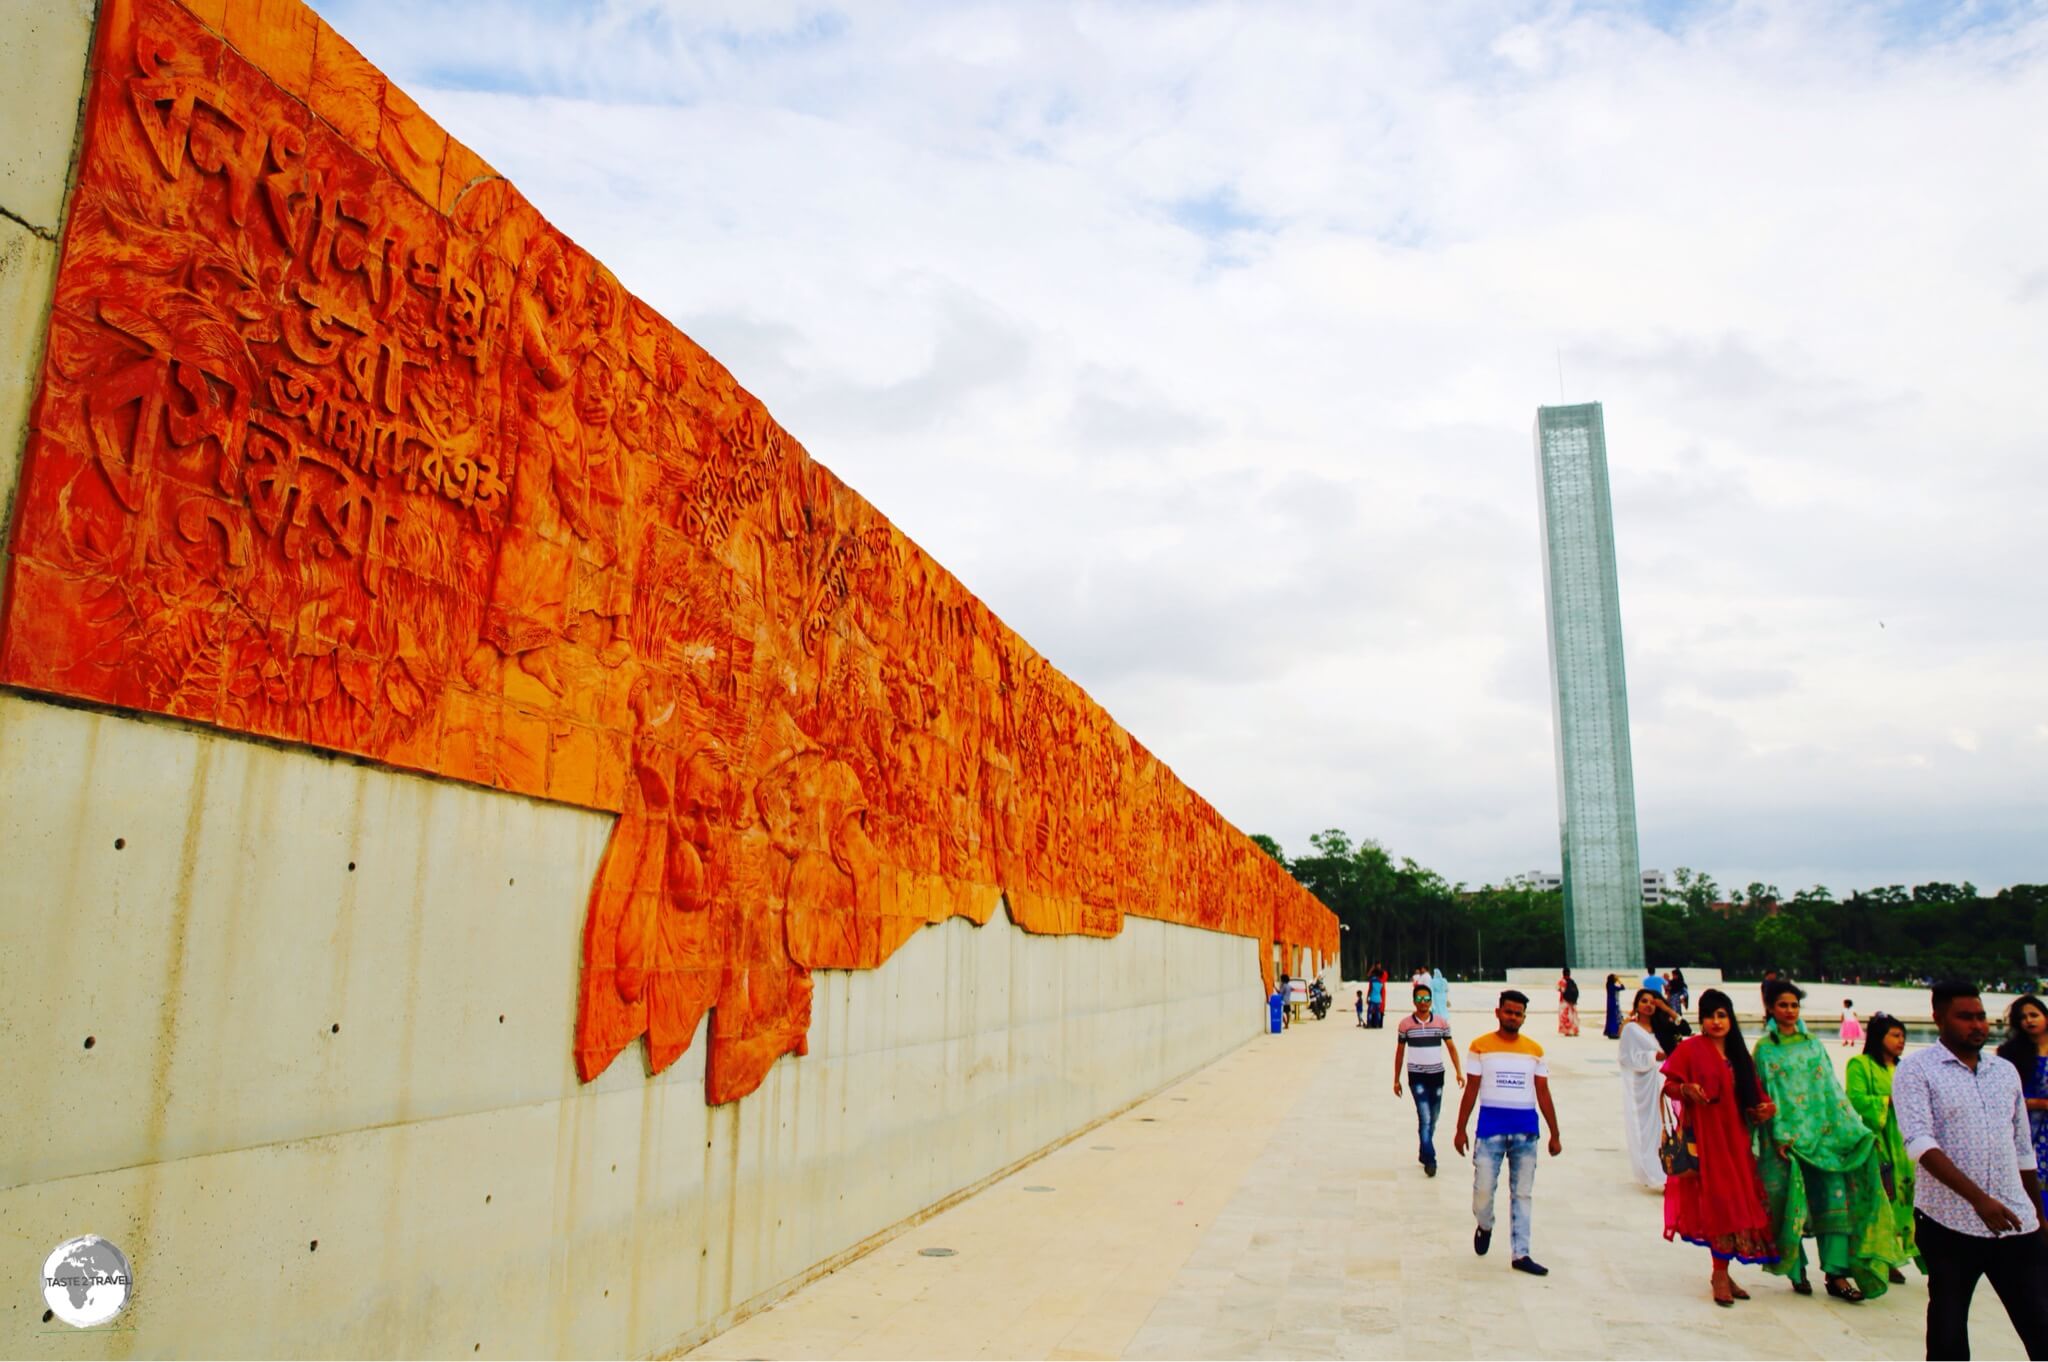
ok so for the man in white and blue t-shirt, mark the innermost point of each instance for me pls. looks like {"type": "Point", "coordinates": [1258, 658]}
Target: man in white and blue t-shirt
{"type": "Point", "coordinates": [1511, 1084]}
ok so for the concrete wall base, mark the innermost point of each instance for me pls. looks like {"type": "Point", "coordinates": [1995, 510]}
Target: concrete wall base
{"type": "Point", "coordinates": [294, 1032]}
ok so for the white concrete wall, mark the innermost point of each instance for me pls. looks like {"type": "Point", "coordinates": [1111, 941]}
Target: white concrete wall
{"type": "Point", "coordinates": [43, 52]}
{"type": "Point", "coordinates": [186, 899]}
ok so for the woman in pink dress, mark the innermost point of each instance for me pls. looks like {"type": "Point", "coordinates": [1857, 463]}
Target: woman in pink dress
{"type": "Point", "coordinates": [1567, 1004]}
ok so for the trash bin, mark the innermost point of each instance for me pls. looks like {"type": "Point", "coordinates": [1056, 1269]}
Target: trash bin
{"type": "Point", "coordinates": [1277, 1007]}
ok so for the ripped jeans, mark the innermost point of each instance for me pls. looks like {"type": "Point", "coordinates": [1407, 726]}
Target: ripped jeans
{"type": "Point", "coordinates": [1519, 1153]}
{"type": "Point", "coordinates": [1428, 1091]}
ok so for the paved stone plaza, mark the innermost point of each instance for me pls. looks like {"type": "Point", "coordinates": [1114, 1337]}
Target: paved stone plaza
{"type": "Point", "coordinates": [1270, 1206]}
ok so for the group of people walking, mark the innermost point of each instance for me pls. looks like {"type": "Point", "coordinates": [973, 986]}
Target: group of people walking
{"type": "Point", "coordinates": [1927, 1159]}
{"type": "Point", "coordinates": [1508, 1084]}
{"type": "Point", "coordinates": [1764, 1157]}
{"type": "Point", "coordinates": [1669, 988]}
{"type": "Point", "coordinates": [1372, 999]}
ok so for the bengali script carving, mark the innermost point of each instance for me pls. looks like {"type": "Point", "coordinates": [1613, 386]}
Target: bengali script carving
{"type": "Point", "coordinates": [339, 443]}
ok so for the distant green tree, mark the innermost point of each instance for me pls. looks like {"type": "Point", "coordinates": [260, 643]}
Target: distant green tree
{"type": "Point", "coordinates": [1403, 914]}
{"type": "Point", "coordinates": [1781, 941]}
{"type": "Point", "coordinates": [1668, 933]}
{"type": "Point", "coordinates": [1332, 842]}
{"type": "Point", "coordinates": [1269, 846]}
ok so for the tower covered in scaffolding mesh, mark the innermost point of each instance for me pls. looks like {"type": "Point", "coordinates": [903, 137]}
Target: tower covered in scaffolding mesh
{"type": "Point", "coordinates": [1596, 791]}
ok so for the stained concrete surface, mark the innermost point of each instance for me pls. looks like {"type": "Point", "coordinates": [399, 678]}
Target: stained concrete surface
{"type": "Point", "coordinates": [266, 1005]}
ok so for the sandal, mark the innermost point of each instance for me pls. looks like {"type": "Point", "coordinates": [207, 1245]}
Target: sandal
{"type": "Point", "coordinates": [1724, 1293]}
{"type": "Point", "coordinates": [1801, 1286]}
{"type": "Point", "coordinates": [1736, 1291]}
{"type": "Point", "coordinates": [1898, 1278]}
{"type": "Point", "coordinates": [1845, 1288]}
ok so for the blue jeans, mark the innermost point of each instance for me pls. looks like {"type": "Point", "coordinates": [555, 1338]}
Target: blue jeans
{"type": "Point", "coordinates": [1519, 1152]}
{"type": "Point", "coordinates": [1428, 1091]}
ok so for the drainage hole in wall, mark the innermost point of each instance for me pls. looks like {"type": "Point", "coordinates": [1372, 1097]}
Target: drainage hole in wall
{"type": "Point", "coordinates": [1148, 1118]}
{"type": "Point", "coordinates": [120, 843]}
{"type": "Point", "coordinates": [607, 1295]}
{"type": "Point", "coordinates": [501, 1019]}
{"type": "Point", "coordinates": [487, 1198]}
{"type": "Point", "coordinates": [91, 1041]}
{"type": "Point", "coordinates": [49, 1315]}
{"type": "Point", "coordinates": [509, 883]}
{"type": "Point", "coordinates": [313, 1247]}
{"type": "Point", "coordinates": [935, 1253]}
{"type": "Point", "coordinates": [351, 866]}
{"type": "Point", "coordinates": [334, 1030]}
{"type": "Point", "coordinates": [615, 1168]}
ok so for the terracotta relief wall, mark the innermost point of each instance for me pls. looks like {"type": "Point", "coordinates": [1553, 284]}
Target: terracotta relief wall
{"type": "Point", "coordinates": [339, 443]}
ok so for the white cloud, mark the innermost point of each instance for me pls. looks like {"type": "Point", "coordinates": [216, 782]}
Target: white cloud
{"type": "Point", "coordinates": [1203, 341]}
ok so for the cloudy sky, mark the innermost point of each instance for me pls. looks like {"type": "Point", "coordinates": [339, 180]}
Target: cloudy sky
{"type": "Point", "coordinates": [1203, 341]}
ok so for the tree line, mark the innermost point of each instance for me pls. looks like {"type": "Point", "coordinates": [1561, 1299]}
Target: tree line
{"type": "Point", "coordinates": [1404, 914]}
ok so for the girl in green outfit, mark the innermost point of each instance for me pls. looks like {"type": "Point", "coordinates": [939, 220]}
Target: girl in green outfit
{"type": "Point", "coordinates": [1819, 1163]}
{"type": "Point", "coordinates": [1870, 1092]}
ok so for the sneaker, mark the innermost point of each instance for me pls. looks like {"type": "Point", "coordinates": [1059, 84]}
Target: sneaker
{"type": "Point", "coordinates": [1530, 1266]}
{"type": "Point", "coordinates": [1429, 1168]}
{"type": "Point", "coordinates": [1482, 1240]}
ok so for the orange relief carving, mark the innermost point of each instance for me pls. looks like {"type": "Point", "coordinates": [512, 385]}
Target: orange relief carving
{"type": "Point", "coordinates": [338, 442]}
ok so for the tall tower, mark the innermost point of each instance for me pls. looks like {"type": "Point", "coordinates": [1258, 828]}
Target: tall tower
{"type": "Point", "coordinates": [1596, 788]}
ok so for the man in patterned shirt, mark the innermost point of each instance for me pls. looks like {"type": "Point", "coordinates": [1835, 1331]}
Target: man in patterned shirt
{"type": "Point", "coordinates": [1509, 1083]}
{"type": "Point", "coordinates": [1964, 1122]}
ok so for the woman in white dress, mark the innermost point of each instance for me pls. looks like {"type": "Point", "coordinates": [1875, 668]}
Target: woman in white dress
{"type": "Point", "coordinates": [1642, 1091]}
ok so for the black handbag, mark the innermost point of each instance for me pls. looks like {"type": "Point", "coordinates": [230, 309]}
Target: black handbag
{"type": "Point", "coordinates": [1676, 1150]}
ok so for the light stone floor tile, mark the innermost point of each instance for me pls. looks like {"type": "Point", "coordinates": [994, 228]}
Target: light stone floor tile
{"type": "Point", "coordinates": [1279, 1212]}
{"type": "Point", "coordinates": [1180, 1342]}
{"type": "Point", "coordinates": [1304, 1343]}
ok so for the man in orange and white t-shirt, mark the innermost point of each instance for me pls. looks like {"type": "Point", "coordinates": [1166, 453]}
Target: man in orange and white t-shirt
{"type": "Point", "coordinates": [1509, 1083]}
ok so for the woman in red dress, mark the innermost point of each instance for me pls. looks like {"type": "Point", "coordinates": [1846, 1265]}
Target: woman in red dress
{"type": "Point", "coordinates": [1720, 1205]}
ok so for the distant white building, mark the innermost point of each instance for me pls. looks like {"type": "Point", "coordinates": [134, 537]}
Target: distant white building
{"type": "Point", "coordinates": [1655, 887]}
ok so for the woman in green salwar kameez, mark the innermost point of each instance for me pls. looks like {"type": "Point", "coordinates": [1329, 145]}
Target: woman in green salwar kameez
{"type": "Point", "coordinates": [1819, 1163]}
{"type": "Point", "coordinates": [1870, 1092]}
